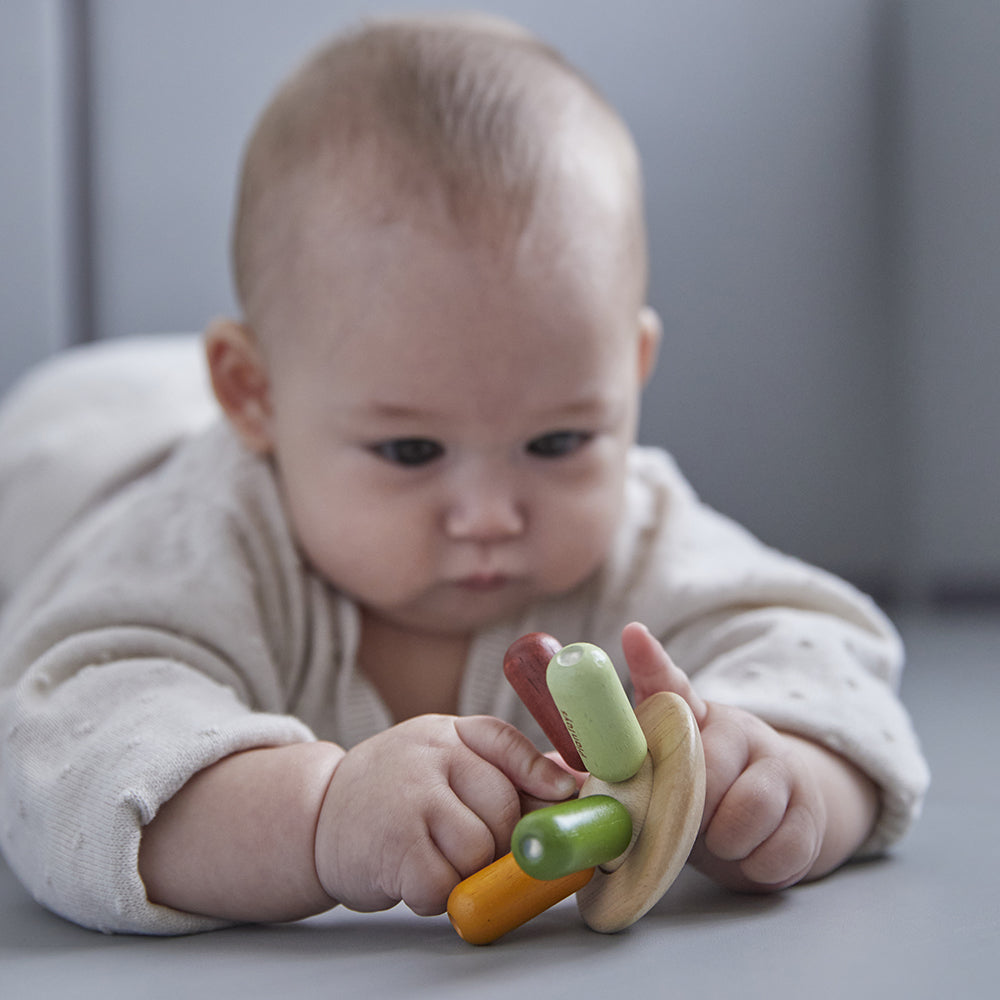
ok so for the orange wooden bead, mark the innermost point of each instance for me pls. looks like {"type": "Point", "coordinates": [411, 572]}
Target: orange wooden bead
{"type": "Point", "coordinates": [500, 897]}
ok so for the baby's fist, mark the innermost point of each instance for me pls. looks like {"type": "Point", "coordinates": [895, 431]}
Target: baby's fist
{"type": "Point", "coordinates": [412, 811]}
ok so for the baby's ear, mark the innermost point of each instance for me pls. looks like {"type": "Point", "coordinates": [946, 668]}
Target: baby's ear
{"type": "Point", "coordinates": [650, 332]}
{"type": "Point", "coordinates": [239, 379]}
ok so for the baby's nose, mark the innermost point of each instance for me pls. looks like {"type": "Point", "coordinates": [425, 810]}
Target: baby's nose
{"type": "Point", "coordinates": [486, 512]}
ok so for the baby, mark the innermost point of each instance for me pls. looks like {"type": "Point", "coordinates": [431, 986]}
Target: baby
{"type": "Point", "coordinates": [264, 677]}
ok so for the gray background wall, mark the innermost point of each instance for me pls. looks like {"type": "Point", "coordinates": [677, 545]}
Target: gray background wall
{"type": "Point", "coordinates": [822, 183]}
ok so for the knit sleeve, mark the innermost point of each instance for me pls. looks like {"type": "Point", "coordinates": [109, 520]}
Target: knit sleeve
{"type": "Point", "coordinates": [90, 757]}
{"type": "Point", "coordinates": [760, 630]}
{"type": "Point", "coordinates": [160, 638]}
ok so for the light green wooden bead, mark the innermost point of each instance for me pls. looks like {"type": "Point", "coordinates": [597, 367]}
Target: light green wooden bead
{"type": "Point", "coordinates": [596, 710]}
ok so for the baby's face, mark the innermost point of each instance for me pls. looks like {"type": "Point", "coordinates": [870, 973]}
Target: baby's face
{"type": "Point", "coordinates": [450, 425]}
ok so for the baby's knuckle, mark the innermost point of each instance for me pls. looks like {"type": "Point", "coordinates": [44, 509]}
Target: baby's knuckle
{"type": "Point", "coordinates": [730, 835]}
{"type": "Point", "coordinates": [510, 811]}
{"type": "Point", "coordinates": [508, 744]}
{"type": "Point", "coordinates": [785, 857]}
{"type": "Point", "coordinates": [428, 901]}
{"type": "Point", "coordinates": [478, 852]}
{"type": "Point", "coordinates": [419, 881]}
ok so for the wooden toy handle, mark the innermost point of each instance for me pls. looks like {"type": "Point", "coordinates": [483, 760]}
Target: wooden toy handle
{"type": "Point", "coordinates": [524, 665]}
{"type": "Point", "coordinates": [672, 817]}
{"type": "Point", "coordinates": [569, 836]}
{"type": "Point", "coordinates": [589, 695]}
{"type": "Point", "coordinates": [500, 897]}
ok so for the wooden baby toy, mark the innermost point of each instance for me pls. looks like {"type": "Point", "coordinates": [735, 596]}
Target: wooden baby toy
{"type": "Point", "coordinates": [624, 840]}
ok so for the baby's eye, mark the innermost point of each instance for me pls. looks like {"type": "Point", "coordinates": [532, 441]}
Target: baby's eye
{"type": "Point", "coordinates": [558, 443]}
{"type": "Point", "coordinates": [408, 451]}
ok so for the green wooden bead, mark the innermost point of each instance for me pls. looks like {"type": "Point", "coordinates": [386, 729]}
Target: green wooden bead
{"type": "Point", "coordinates": [570, 836]}
{"type": "Point", "coordinates": [597, 712]}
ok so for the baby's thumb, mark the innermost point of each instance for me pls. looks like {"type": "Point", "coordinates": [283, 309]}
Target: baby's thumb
{"type": "Point", "coordinates": [509, 750]}
{"type": "Point", "coordinates": [652, 670]}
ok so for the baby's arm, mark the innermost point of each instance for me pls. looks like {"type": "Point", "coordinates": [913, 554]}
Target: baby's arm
{"type": "Point", "coordinates": [778, 808]}
{"type": "Point", "coordinates": [236, 842]}
{"type": "Point", "coordinates": [281, 833]}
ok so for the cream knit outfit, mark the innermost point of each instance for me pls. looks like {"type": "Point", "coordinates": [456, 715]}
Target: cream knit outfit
{"type": "Point", "coordinates": [176, 623]}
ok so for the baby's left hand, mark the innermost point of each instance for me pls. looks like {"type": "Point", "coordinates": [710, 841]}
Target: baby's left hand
{"type": "Point", "coordinates": [765, 814]}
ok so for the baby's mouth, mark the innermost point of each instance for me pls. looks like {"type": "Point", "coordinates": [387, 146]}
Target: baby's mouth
{"type": "Point", "coordinates": [483, 583]}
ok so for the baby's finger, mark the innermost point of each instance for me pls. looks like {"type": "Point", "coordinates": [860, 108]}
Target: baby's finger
{"type": "Point", "coordinates": [486, 793]}
{"type": "Point", "coordinates": [529, 803]}
{"type": "Point", "coordinates": [469, 841]}
{"type": "Point", "coordinates": [727, 755]}
{"type": "Point", "coordinates": [426, 878]}
{"type": "Point", "coordinates": [750, 811]}
{"type": "Point", "coordinates": [788, 854]}
{"type": "Point", "coordinates": [578, 776]}
{"type": "Point", "coordinates": [511, 752]}
{"type": "Point", "coordinates": [652, 670]}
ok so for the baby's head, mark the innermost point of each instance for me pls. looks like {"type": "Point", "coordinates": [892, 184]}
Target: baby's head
{"type": "Point", "coordinates": [440, 256]}
{"type": "Point", "coordinates": [467, 122]}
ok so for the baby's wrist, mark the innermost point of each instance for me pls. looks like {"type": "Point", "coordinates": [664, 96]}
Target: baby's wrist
{"type": "Point", "coordinates": [325, 837]}
{"type": "Point", "coordinates": [851, 799]}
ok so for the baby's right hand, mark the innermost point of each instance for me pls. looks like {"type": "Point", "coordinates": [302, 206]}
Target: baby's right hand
{"type": "Point", "coordinates": [414, 810]}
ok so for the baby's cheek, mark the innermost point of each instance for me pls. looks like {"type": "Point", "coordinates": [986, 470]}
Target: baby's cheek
{"type": "Point", "coordinates": [357, 555]}
{"type": "Point", "coordinates": [575, 540]}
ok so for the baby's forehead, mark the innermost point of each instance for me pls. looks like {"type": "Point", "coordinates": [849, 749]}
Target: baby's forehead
{"type": "Point", "coordinates": [356, 268]}
{"type": "Point", "coordinates": [371, 224]}
{"type": "Point", "coordinates": [350, 245]}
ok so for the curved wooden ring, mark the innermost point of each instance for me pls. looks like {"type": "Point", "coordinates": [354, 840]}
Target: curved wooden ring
{"type": "Point", "coordinates": [668, 826]}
